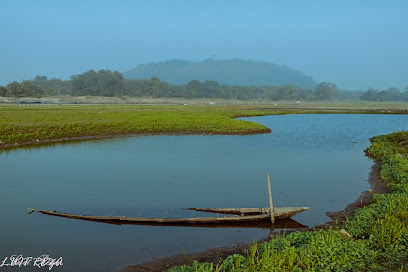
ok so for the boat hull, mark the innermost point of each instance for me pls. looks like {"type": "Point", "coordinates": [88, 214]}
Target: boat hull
{"type": "Point", "coordinates": [279, 212]}
{"type": "Point", "coordinates": [207, 220]}
{"type": "Point", "coordinates": [247, 215]}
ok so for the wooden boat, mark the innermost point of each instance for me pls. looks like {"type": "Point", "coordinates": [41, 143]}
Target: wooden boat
{"type": "Point", "coordinates": [279, 212]}
{"type": "Point", "coordinates": [29, 102]}
{"type": "Point", "coordinates": [248, 215]}
{"type": "Point", "coordinates": [236, 215]}
{"type": "Point", "coordinates": [263, 224]}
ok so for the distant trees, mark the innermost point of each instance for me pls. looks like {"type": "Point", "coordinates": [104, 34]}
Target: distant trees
{"type": "Point", "coordinates": [394, 94]}
{"type": "Point", "coordinates": [404, 94]}
{"type": "Point", "coordinates": [213, 88]}
{"type": "Point", "coordinates": [85, 84]}
{"type": "Point", "coordinates": [56, 86]}
{"type": "Point", "coordinates": [350, 95]}
{"type": "Point", "coordinates": [14, 89]}
{"type": "Point", "coordinates": [289, 92]}
{"type": "Point", "coordinates": [103, 82]}
{"type": "Point", "coordinates": [3, 91]}
{"type": "Point", "coordinates": [157, 88]}
{"type": "Point", "coordinates": [40, 86]}
{"type": "Point", "coordinates": [326, 91]}
{"type": "Point", "coordinates": [209, 88]}
{"type": "Point", "coordinates": [112, 83]}
{"type": "Point", "coordinates": [370, 94]}
{"type": "Point", "coordinates": [391, 94]}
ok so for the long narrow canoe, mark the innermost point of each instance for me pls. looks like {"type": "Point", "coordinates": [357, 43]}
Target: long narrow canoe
{"type": "Point", "coordinates": [263, 224]}
{"type": "Point", "coordinates": [207, 220]}
{"type": "Point", "coordinates": [280, 212]}
{"type": "Point", "coordinates": [250, 216]}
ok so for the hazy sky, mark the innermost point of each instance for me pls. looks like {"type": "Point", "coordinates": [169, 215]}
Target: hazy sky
{"type": "Point", "coordinates": [355, 44]}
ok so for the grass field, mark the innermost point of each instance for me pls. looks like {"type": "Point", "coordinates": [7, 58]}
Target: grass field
{"type": "Point", "coordinates": [29, 124]}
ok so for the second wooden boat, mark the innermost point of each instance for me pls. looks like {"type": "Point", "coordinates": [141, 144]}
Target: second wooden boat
{"type": "Point", "coordinates": [279, 212]}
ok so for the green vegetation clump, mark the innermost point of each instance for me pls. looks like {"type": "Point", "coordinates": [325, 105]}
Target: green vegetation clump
{"type": "Point", "coordinates": [379, 231]}
{"type": "Point", "coordinates": [394, 143]}
{"type": "Point", "coordinates": [298, 251]}
{"type": "Point", "coordinates": [28, 124]}
{"type": "Point", "coordinates": [21, 124]}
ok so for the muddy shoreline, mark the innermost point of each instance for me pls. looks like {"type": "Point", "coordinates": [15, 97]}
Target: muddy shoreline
{"type": "Point", "coordinates": [213, 255]}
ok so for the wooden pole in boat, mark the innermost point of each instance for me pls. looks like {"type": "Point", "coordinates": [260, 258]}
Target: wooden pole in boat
{"type": "Point", "coordinates": [270, 199]}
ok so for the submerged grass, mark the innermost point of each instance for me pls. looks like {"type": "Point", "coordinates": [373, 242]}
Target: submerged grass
{"type": "Point", "coordinates": [379, 231]}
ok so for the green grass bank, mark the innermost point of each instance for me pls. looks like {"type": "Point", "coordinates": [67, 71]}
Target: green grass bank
{"type": "Point", "coordinates": [379, 231]}
{"type": "Point", "coordinates": [30, 124]}
{"type": "Point", "coordinates": [33, 124]}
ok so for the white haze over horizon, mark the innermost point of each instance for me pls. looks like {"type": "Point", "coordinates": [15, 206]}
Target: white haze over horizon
{"type": "Point", "coordinates": [354, 44]}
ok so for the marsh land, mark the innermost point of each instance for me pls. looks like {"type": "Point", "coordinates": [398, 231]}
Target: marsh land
{"type": "Point", "coordinates": [378, 240]}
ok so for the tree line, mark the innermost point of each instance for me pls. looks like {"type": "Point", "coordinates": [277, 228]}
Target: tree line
{"type": "Point", "coordinates": [108, 83]}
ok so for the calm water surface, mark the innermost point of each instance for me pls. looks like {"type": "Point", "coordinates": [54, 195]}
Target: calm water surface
{"type": "Point", "coordinates": [314, 160]}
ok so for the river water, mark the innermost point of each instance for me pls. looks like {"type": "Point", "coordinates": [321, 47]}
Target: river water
{"type": "Point", "coordinates": [314, 160]}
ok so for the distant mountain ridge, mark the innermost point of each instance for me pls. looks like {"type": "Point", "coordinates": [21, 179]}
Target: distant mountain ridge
{"type": "Point", "coordinates": [229, 72]}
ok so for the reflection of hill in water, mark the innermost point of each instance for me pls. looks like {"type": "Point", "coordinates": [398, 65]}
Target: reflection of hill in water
{"type": "Point", "coordinates": [229, 72]}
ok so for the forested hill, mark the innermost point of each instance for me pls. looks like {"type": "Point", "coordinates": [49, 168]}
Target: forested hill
{"type": "Point", "coordinates": [231, 72]}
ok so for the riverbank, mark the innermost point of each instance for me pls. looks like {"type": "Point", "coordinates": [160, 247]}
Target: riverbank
{"type": "Point", "coordinates": [22, 125]}
{"type": "Point", "coordinates": [215, 254]}
{"type": "Point", "coordinates": [128, 100]}
{"type": "Point", "coordinates": [28, 125]}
